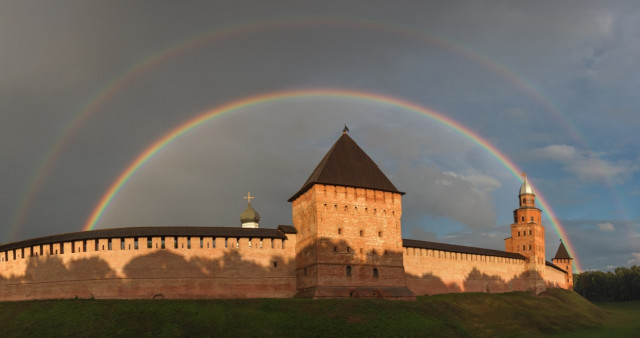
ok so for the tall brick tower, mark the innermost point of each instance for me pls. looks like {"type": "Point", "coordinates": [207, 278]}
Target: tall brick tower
{"type": "Point", "coordinates": [563, 260]}
{"type": "Point", "coordinates": [349, 242]}
{"type": "Point", "coordinates": [527, 236]}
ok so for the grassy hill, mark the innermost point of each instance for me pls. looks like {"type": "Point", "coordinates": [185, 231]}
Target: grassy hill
{"type": "Point", "coordinates": [555, 312]}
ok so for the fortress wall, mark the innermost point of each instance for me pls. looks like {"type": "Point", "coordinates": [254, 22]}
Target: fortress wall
{"type": "Point", "coordinates": [187, 267]}
{"type": "Point", "coordinates": [555, 278]}
{"type": "Point", "coordinates": [434, 271]}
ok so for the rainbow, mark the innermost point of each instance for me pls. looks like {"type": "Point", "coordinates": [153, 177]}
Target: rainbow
{"type": "Point", "coordinates": [183, 128]}
{"type": "Point", "coordinates": [121, 81]}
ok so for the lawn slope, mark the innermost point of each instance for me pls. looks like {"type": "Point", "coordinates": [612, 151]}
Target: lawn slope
{"type": "Point", "coordinates": [555, 312]}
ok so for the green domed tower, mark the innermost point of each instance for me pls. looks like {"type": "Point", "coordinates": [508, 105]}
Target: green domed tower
{"type": "Point", "coordinates": [249, 218]}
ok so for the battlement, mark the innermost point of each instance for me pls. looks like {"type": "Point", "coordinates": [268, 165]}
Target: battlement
{"type": "Point", "coordinates": [111, 240]}
{"type": "Point", "coordinates": [141, 244]}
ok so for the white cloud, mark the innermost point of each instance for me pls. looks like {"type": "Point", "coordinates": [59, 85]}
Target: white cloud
{"type": "Point", "coordinates": [606, 227]}
{"type": "Point", "coordinates": [480, 181]}
{"type": "Point", "coordinates": [635, 260]}
{"type": "Point", "coordinates": [587, 165]}
{"type": "Point", "coordinates": [463, 199]}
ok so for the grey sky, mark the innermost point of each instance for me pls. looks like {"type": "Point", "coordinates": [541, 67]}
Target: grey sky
{"type": "Point", "coordinates": [551, 84]}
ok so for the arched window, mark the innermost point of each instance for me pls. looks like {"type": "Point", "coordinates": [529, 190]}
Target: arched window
{"type": "Point", "coordinates": [523, 218]}
{"type": "Point", "coordinates": [339, 231]}
{"type": "Point", "coordinates": [348, 271]}
{"type": "Point", "coordinates": [531, 218]}
{"type": "Point", "coordinates": [375, 273]}
{"type": "Point", "coordinates": [361, 233]}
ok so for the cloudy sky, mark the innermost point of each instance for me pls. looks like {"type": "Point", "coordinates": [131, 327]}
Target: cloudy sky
{"type": "Point", "coordinates": [87, 86]}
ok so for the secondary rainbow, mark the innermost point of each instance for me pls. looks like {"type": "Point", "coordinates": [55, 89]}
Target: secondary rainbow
{"type": "Point", "coordinates": [102, 205]}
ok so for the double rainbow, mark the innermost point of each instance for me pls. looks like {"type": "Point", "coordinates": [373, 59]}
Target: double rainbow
{"type": "Point", "coordinates": [122, 80]}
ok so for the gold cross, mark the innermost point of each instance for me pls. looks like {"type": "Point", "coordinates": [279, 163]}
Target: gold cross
{"type": "Point", "coordinates": [524, 174]}
{"type": "Point", "coordinates": [249, 197]}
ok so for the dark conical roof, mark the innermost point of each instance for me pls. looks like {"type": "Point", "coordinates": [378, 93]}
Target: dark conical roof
{"type": "Point", "coordinates": [346, 164]}
{"type": "Point", "coordinates": [562, 252]}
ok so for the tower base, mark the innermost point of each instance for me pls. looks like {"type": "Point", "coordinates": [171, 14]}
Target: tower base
{"type": "Point", "coordinates": [391, 293]}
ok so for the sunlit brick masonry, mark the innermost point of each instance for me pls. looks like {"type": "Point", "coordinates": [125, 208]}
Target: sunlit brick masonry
{"type": "Point", "coordinates": [345, 242]}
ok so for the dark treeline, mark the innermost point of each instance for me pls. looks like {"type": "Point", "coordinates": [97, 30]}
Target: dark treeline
{"type": "Point", "coordinates": [623, 284]}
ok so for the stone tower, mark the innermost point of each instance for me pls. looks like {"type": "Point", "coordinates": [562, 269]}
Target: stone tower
{"type": "Point", "coordinates": [563, 260]}
{"type": "Point", "coordinates": [349, 242]}
{"type": "Point", "coordinates": [527, 236]}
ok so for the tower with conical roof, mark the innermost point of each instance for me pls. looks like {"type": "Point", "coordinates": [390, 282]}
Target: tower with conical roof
{"type": "Point", "coordinates": [347, 217]}
{"type": "Point", "coordinates": [527, 236]}
{"type": "Point", "coordinates": [564, 260]}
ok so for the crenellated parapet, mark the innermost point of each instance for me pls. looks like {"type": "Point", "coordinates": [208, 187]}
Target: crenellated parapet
{"type": "Point", "coordinates": [148, 238]}
{"type": "Point", "coordinates": [174, 262]}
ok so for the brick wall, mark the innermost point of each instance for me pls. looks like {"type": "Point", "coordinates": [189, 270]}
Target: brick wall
{"type": "Point", "coordinates": [207, 268]}
{"type": "Point", "coordinates": [555, 278]}
{"type": "Point", "coordinates": [434, 271]}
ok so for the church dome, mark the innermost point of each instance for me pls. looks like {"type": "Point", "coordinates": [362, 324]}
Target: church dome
{"type": "Point", "coordinates": [249, 215]}
{"type": "Point", "coordinates": [526, 187]}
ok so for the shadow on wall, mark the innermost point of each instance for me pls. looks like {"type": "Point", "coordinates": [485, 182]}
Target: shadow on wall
{"type": "Point", "coordinates": [167, 264]}
{"type": "Point", "coordinates": [341, 251]}
{"type": "Point", "coordinates": [475, 281]}
{"type": "Point", "coordinates": [159, 274]}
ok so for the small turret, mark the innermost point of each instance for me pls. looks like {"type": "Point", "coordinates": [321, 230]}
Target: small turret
{"type": "Point", "coordinates": [564, 260]}
{"type": "Point", "coordinates": [249, 218]}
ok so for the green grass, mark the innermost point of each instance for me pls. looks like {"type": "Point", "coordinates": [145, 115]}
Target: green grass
{"type": "Point", "coordinates": [555, 312]}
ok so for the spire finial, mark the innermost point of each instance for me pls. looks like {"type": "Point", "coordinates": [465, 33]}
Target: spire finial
{"type": "Point", "coordinates": [249, 197]}
{"type": "Point", "coordinates": [524, 174]}
{"type": "Point", "coordinates": [346, 129]}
